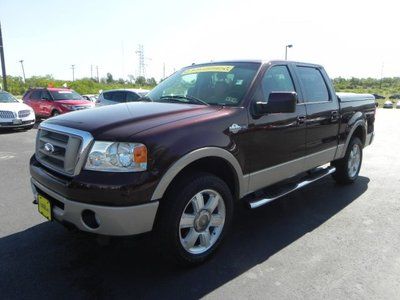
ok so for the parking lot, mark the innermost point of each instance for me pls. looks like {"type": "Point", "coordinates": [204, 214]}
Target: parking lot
{"type": "Point", "coordinates": [325, 241]}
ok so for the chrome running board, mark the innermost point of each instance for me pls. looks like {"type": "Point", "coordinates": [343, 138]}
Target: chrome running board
{"type": "Point", "coordinates": [317, 175]}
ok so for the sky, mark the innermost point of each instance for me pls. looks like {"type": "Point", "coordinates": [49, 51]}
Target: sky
{"type": "Point", "coordinates": [349, 38]}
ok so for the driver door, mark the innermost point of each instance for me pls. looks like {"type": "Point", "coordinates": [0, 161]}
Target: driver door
{"type": "Point", "coordinates": [278, 140]}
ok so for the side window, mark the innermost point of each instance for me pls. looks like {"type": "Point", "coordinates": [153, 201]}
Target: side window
{"type": "Point", "coordinates": [35, 95]}
{"type": "Point", "coordinates": [119, 96]}
{"type": "Point", "coordinates": [107, 95]}
{"type": "Point", "coordinates": [45, 95]}
{"type": "Point", "coordinates": [131, 96]}
{"type": "Point", "coordinates": [314, 86]}
{"type": "Point", "coordinates": [276, 79]}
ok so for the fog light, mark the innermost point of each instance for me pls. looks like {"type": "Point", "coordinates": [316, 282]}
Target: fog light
{"type": "Point", "coordinates": [90, 219]}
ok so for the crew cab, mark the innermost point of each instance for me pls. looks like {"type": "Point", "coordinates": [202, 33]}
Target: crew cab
{"type": "Point", "coordinates": [50, 102]}
{"type": "Point", "coordinates": [205, 139]}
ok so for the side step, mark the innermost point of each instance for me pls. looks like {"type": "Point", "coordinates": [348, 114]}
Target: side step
{"type": "Point", "coordinates": [314, 176]}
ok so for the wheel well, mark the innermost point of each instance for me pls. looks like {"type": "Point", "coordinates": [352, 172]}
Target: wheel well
{"type": "Point", "coordinates": [359, 132]}
{"type": "Point", "coordinates": [214, 165]}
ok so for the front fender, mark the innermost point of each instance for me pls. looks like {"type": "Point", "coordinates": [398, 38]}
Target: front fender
{"type": "Point", "coordinates": [193, 156]}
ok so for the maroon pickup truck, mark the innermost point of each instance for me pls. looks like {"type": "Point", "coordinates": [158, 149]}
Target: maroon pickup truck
{"type": "Point", "coordinates": [206, 138]}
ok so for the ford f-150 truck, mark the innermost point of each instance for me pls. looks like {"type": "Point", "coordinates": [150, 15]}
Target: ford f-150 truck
{"type": "Point", "coordinates": [205, 139]}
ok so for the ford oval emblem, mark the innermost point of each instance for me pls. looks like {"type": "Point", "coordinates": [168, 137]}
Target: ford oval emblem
{"type": "Point", "coordinates": [49, 148]}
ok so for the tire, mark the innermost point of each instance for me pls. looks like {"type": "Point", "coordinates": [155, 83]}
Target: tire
{"type": "Point", "coordinates": [348, 168]}
{"type": "Point", "coordinates": [184, 223]}
{"type": "Point", "coordinates": [55, 113]}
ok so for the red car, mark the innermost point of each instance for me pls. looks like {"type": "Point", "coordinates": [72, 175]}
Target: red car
{"type": "Point", "coordinates": [50, 102]}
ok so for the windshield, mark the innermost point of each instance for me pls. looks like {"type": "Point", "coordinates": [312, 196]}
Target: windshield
{"type": "Point", "coordinates": [7, 98]}
{"type": "Point", "coordinates": [211, 84]}
{"type": "Point", "coordinates": [65, 95]}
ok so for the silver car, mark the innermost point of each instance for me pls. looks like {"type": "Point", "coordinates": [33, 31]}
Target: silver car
{"type": "Point", "coordinates": [388, 104]}
{"type": "Point", "coordinates": [120, 96]}
{"type": "Point", "coordinates": [398, 104]}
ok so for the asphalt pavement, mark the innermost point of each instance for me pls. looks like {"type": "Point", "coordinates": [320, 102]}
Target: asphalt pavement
{"type": "Point", "coordinates": [325, 241]}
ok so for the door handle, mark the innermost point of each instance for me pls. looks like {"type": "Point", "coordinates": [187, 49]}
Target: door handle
{"type": "Point", "coordinates": [334, 116]}
{"type": "Point", "coordinates": [301, 119]}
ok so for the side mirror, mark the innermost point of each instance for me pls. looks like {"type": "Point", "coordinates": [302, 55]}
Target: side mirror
{"type": "Point", "coordinates": [278, 102]}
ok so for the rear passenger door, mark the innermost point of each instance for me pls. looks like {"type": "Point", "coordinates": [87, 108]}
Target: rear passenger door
{"type": "Point", "coordinates": [34, 101]}
{"type": "Point", "coordinates": [46, 103]}
{"type": "Point", "coordinates": [322, 123]}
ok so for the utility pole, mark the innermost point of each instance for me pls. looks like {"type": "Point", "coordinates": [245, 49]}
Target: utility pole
{"type": "Point", "coordinates": [141, 66]}
{"type": "Point", "coordinates": [97, 71]}
{"type": "Point", "coordinates": [3, 64]}
{"type": "Point", "coordinates": [73, 72]}
{"type": "Point", "coordinates": [380, 81]}
{"type": "Point", "coordinates": [91, 71]}
{"type": "Point", "coordinates": [164, 71]}
{"type": "Point", "coordinates": [23, 71]}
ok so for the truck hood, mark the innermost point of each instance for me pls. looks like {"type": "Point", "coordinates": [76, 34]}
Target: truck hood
{"type": "Point", "coordinates": [118, 121]}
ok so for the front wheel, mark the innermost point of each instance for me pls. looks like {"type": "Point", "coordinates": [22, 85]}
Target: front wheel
{"type": "Point", "coordinates": [194, 218]}
{"type": "Point", "coordinates": [348, 168]}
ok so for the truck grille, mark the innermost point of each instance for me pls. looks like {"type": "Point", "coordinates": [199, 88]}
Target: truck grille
{"type": "Point", "coordinates": [5, 114]}
{"type": "Point", "coordinates": [62, 150]}
{"type": "Point", "coordinates": [24, 113]}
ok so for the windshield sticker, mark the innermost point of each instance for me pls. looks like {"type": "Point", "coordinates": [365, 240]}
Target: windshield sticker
{"type": "Point", "coordinates": [64, 92]}
{"type": "Point", "coordinates": [223, 69]}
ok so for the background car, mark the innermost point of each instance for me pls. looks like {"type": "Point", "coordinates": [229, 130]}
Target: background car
{"type": "Point", "coordinates": [394, 96]}
{"type": "Point", "coordinates": [120, 96]}
{"type": "Point", "coordinates": [90, 97]}
{"type": "Point", "coordinates": [398, 104]}
{"type": "Point", "coordinates": [377, 96]}
{"type": "Point", "coordinates": [388, 104]}
{"type": "Point", "coordinates": [14, 113]}
{"type": "Point", "coordinates": [48, 102]}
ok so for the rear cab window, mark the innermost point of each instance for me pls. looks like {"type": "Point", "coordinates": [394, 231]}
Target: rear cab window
{"type": "Point", "coordinates": [313, 85]}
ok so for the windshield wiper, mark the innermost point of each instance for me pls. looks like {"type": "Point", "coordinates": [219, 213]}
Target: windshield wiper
{"type": "Point", "coordinates": [190, 98]}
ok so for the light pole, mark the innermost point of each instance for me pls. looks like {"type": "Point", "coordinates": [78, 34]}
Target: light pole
{"type": "Point", "coordinates": [3, 64]}
{"type": "Point", "coordinates": [287, 46]}
{"type": "Point", "coordinates": [73, 72]}
{"type": "Point", "coordinates": [23, 71]}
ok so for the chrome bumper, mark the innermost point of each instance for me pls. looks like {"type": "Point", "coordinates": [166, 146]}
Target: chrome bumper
{"type": "Point", "coordinates": [114, 221]}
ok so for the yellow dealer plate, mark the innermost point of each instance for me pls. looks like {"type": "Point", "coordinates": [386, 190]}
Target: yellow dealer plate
{"type": "Point", "coordinates": [223, 69]}
{"type": "Point", "coordinates": [44, 207]}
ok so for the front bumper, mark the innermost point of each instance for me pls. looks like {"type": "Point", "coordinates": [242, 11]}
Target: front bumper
{"type": "Point", "coordinates": [114, 221]}
{"type": "Point", "coordinates": [8, 123]}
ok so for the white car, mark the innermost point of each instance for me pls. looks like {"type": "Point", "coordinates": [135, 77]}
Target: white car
{"type": "Point", "coordinates": [14, 113]}
{"type": "Point", "coordinates": [398, 104]}
{"type": "Point", "coordinates": [120, 96]}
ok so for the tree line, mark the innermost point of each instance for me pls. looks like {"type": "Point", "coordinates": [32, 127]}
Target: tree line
{"type": "Point", "coordinates": [17, 86]}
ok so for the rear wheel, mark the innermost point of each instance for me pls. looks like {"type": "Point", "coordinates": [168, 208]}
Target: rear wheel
{"type": "Point", "coordinates": [349, 166]}
{"type": "Point", "coordinates": [194, 218]}
{"type": "Point", "coordinates": [55, 113]}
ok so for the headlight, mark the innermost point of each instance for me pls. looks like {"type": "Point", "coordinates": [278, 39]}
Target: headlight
{"type": "Point", "coordinates": [117, 157]}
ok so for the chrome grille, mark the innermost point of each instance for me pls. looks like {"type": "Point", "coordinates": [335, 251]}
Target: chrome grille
{"type": "Point", "coordinates": [62, 149]}
{"type": "Point", "coordinates": [24, 113]}
{"type": "Point", "coordinates": [5, 114]}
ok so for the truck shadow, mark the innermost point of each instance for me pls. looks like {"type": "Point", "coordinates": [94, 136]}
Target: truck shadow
{"type": "Point", "coordinates": [48, 261]}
